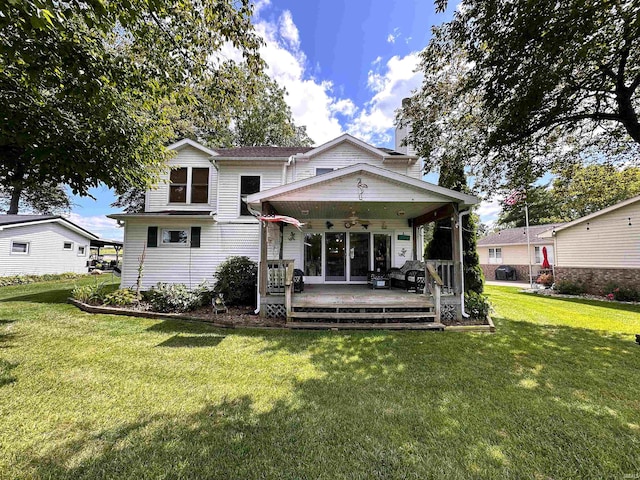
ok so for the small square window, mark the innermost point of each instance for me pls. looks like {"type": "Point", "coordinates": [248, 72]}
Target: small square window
{"type": "Point", "coordinates": [82, 250]}
{"type": "Point", "coordinates": [68, 245]}
{"type": "Point", "coordinates": [322, 171]}
{"type": "Point", "coordinates": [20, 248]}
{"type": "Point", "coordinates": [175, 237]}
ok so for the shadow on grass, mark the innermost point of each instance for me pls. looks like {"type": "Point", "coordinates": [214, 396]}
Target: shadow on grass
{"type": "Point", "coordinates": [192, 341]}
{"type": "Point", "coordinates": [57, 296]}
{"type": "Point", "coordinates": [531, 401]}
{"type": "Point", "coordinates": [5, 372]}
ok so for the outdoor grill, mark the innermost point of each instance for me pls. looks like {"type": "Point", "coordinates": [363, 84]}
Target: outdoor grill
{"type": "Point", "coordinates": [506, 272]}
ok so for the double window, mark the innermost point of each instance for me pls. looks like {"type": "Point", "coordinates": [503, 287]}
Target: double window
{"type": "Point", "coordinates": [495, 255]}
{"type": "Point", "coordinates": [248, 184]}
{"type": "Point", "coordinates": [189, 185]}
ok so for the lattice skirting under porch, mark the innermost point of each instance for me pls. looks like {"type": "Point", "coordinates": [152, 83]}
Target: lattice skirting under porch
{"type": "Point", "coordinates": [275, 310]}
{"type": "Point", "coordinates": [448, 312]}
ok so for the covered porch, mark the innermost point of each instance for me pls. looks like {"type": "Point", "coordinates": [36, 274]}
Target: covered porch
{"type": "Point", "coordinates": [357, 222]}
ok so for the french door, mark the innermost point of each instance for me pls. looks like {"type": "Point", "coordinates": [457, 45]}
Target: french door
{"type": "Point", "coordinates": [347, 256]}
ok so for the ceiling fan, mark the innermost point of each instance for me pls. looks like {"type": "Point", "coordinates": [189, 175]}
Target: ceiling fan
{"type": "Point", "coordinates": [354, 220]}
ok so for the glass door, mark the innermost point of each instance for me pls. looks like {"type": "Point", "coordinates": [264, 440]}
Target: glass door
{"type": "Point", "coordinates": [382, 251]}
{"type": "Point", "coordinates": [358, 256]}
{"type": "Point", "coordinates": [335, 259]}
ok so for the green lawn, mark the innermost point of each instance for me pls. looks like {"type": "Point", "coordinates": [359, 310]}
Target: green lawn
{"type": "Point", "coordinates": [555, 393]}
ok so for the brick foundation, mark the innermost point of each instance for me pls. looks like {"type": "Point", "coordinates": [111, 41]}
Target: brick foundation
{"type": "Point", "coordinates": [596, 279]}
{"type": "Point", "coordinates": [522, 271]}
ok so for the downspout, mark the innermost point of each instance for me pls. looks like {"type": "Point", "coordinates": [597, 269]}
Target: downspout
{"type": "Point", "coordinates": [259, 280]}
{"type": "Point", "coordinates": [460, 215]}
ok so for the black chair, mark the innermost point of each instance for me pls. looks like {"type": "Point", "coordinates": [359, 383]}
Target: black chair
{"type": "Point", "coordinates": [298, 280]}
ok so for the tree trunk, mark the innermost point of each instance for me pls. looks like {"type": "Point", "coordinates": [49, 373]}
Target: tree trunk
{"type": "Point", "coordinates": [17, 187]}
{"type": "Point", "coordinates": [628, 115]}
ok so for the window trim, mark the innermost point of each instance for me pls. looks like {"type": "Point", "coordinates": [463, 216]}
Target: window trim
{"type": "Point", "coordinates": [64, 246]}
{"type": "Point", "coordinates": [84, 250]}
{"type": "Point", "coordinates": [494, 259]}
{"type": "Point", "coordinates": [28, 249]}
{"type": "Point", "coordinates": [188, 186]}
{"type": "Point", "coordinates": [240, 194]}
{"type": "Point", "coordinates": [164, 244]}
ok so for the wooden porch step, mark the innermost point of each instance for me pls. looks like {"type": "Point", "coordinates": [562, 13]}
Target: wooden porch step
{"type": "Point", "coordinates": [316, 304]}
{"type": "Point", "coordinates": [365, 326]}
{"type": "Point", "coordinates": [362, 315]}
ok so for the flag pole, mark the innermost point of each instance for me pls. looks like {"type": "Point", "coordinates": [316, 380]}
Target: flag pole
{"type": "Point", "coordinates": [526, 219]}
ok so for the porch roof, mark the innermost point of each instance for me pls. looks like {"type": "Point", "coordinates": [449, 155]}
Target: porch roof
{"type": "Point", "coordinates": [364, 190]}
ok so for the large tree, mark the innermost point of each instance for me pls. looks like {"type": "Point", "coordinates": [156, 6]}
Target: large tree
{"type": "Point", "coordinates": [556, 80]}
{"type": "Point", "coordinates": [82, 85]}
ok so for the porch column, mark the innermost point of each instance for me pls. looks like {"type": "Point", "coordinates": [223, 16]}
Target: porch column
{"type": "Point", "coordinates": [455, 250]}
{"type": "Point", "coordinates": [262, 267]}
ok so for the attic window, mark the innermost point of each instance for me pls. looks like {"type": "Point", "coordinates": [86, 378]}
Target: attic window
{"type": "Point", "coordinates": [322, 171]}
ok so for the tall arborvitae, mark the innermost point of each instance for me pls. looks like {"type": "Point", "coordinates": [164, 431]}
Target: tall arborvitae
{"type": "Point", "coordinates": [440, 248]}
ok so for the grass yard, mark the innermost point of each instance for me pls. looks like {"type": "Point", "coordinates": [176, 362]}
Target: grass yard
{"type": "Point", "coordinates": [555, 393]}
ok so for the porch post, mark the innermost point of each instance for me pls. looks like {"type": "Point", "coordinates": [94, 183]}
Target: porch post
{"type": "Point", "coordinates": [455, 250]}
{"type": "Point", "coordinates": [262, 270]}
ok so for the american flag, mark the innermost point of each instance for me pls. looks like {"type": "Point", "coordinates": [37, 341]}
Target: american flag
{"type": "Point", "coordinates": [282, 218]}
{"type": "Point", "coordinates": [514, 197]}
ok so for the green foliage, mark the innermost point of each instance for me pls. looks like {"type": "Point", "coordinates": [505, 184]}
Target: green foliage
{"type": "Point", "coordinates": [569, 287]}
{"type": "Point", "coordinates": [477, 305]}
{"type": "Point", "coordinates": [622, 293]}
{"type": "Point", "coordinates": [79, 82]}
{"type": "Point", "coordinates": [26, 279]}
{"type": "Point", "coordinates": [543, 208]}
{"type": "Point", "coordinates": [92, 294]}
{"type": "Point", "coordinates": [176, 297]}
{"type": "Point", "coordinates": [524, 85]}
{"type": "Point", "coordinates": [236, 279]}
{"type": "Point", "coordinates": [121, 297]}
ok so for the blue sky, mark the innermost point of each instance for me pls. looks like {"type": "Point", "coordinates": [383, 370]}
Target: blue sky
{"type": "Point", "coordinates": [346, 66]}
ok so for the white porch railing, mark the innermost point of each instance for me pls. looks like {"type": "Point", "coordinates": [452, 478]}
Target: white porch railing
{"type": "Point", "coordinates": [277, 276]}
{"type": "Point", "coordinates": [446, 270]}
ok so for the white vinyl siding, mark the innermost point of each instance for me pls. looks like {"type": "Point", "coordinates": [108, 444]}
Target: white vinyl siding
{"type": "Point", "coordinates": [157, 199]}
{"type": "Point", "coordinates": [45, 251]}
{"type": "Point", "coordinates": [346, 154]}
{"type": "Point", "coordinates": [190, 266]}
{"type": "Point", "coordinates": [610, 242]}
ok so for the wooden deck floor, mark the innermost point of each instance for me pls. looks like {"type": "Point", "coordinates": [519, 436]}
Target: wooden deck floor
{"type": "Point", "coordinates": [355, 295]}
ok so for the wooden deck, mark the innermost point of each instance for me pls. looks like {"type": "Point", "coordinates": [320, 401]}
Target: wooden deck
{"type": "Point", "coordinates": [359, 304]}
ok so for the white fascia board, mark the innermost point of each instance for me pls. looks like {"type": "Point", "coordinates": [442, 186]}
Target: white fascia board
{"type": "Point", "coordinates": [364, 167]}
{"type": "Point", "coordinates": [179, 145]}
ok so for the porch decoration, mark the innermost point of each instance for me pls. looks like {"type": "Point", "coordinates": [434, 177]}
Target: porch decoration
{"type": "Point", "coordinates": [361, 187]}
{"type": "Point", "coordinates": [292, 236]}
{"type": "Point", "coordinates": [283, 219]}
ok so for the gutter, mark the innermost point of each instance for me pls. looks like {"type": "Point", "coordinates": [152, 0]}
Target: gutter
{"type": "Point", "coordinates": [460, 215]}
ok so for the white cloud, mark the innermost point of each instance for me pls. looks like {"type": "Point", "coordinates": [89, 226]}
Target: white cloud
{"type": "Point", "coordinates": [489, 210]}
{"type": "Point", "coordinates": [312, 102]}
{"type": "Point", "coordinates": [391, 38]}
{"type": "Point", "coordinates": [390, 84]}
{"type": "Point", "coordinates": [102, 226]}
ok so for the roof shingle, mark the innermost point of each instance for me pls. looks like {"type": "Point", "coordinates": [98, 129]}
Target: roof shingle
{"type": "Point", "coordinates": [518, 236]}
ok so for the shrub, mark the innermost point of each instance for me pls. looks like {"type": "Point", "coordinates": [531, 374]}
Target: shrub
{"type": "Point", "coordinates": [26, 279]}
{"type": "Point", "coordinates": [569, 287]}
{"type": "Point", "coordinates": [545, 279]}
{"type": "Point", "coordinates": [176, 297]}
{"type": "Point", "coordinates": [236, 279]}
{"type": "Point", "coordinates": [122, 297]}
{"type": "Point", "coordinates": [622, 294]}
{"type": "Point", "coordinates": [91, 294]}
{"type": "Point", "coordinates": [477, 305]}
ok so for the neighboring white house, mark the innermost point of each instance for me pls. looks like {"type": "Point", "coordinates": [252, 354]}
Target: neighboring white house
{"type": "Point", "coordinates": [600, 249]}
{"type": "Point", "coordinates": [41, 244]}
{"type": "Point", "coordinates": [362, 208]}
{"type": "Point", "coordinates": [509, 247]}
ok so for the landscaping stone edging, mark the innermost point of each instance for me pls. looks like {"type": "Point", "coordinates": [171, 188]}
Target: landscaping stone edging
{"type": "Point", "coordinates": [489, 327]}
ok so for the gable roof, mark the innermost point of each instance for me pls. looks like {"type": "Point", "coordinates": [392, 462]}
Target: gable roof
{"type": "Point", "coordinates": [187, 142]}
{"type": "Point", "coordinates": [346, 138]}
{"type": "Point", "coordinates": [462, 198]}
{"type": "Point", "coordinates": [259, 152]}
{"type": "Point", "coordinates": [586, 218]}
{"type": "Point", "coordinates": [12, 221]}
{"type": "Point", "coordinates": [518, 236]}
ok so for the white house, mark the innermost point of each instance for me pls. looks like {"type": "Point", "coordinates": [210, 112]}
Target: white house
{"type": "Point", "coordinates": [41, 244]}
{"type": "Point", "coordinates": [362, 209]}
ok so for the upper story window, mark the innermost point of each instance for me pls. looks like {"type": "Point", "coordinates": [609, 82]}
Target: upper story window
{"type": "Point", "coordinates": [248, 184]}
{"type": "Point", "coordinates": [495, 255]}
{"type": "Point", "coordinates": [189, 183]}
{"type": "Point", "coordinates": [178, 187]}
{"type": "Point", "coordinates": [322, 171]}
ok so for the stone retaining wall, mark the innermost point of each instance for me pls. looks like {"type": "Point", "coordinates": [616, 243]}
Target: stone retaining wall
{"type": "Point", "coordinates": [596, 279]}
